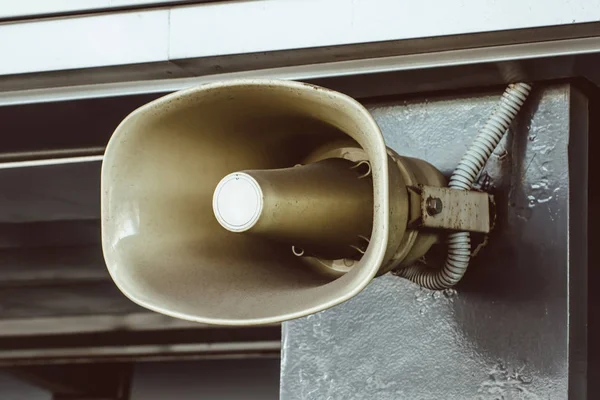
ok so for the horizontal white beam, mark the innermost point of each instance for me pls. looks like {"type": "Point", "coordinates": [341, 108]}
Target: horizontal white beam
{"type": "Point", "coordinates": [266, 25]}
{"type": "Point", "coordinates": [516, 52]}
{"type": "Point", "coordinates": [32, 8]}
{"type": "Point", "coordinates": [84, 42]}
{"type": "Point", "coordinates": [239, 27]}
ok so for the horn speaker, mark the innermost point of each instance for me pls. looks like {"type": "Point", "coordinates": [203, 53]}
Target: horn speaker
{"type": "Point", "coordinates": [255, 201]}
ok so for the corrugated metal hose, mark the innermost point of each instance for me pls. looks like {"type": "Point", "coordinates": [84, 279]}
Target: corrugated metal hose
{"type": "Point", "coordinates": [463, 178]}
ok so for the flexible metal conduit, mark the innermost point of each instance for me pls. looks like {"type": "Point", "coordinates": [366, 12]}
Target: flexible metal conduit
{"type": "Point", "coordinates": [463, 177]}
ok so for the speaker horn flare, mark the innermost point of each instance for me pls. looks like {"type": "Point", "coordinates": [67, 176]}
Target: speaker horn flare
{"type": "Point", "coordinates": [255, 201]}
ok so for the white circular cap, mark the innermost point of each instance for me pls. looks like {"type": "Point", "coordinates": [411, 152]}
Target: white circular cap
{"type": "Point", "coordinates": [238, 202]}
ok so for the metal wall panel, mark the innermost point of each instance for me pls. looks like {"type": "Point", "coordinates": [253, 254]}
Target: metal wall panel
{"type": "Point", "coordinates": [515, 327]}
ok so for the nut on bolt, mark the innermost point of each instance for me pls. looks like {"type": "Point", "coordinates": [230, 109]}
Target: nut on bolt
{"type": "Point", "coordinates": [434, 206]}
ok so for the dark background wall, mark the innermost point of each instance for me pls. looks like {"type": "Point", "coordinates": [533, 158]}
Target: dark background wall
{"type": "Point", "coordinates": [233, 379]}
{"type": "Point", "coordinates": [210, 379]}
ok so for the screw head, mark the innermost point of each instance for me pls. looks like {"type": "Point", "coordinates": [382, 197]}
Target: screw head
{"type": "Point", "coordinates": [434, 206]}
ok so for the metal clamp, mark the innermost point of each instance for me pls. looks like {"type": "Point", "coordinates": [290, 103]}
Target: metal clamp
{"type": "Point", "coordinates": [445, 208]}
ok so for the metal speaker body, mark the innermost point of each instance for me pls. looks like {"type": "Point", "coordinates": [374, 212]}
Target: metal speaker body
{"type": "Point", "coordinates": [163, 224]}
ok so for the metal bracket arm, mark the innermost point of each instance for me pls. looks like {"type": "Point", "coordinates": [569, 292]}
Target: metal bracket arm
{"type": "Point", "coordinates": [445, 208]}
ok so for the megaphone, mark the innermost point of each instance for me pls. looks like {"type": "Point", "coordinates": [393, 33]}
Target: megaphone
{"type": "Point", "coordinates": [257, 201]}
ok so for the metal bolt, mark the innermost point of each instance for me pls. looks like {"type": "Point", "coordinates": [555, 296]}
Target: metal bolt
{"type": "Point", "coordinates": [434, 206]}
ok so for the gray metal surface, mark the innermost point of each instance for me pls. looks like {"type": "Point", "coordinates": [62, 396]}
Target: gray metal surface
{"type": "Point", "coordinates": [510, 330]}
